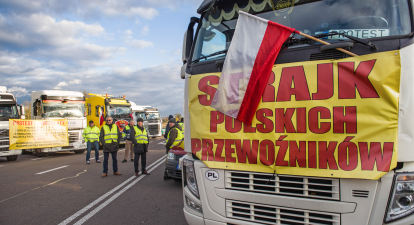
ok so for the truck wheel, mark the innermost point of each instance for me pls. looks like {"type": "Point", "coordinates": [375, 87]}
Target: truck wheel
{"type": "Point", "coordinates": [177, 179]}
{"type": "Point", "coordinates": [165, 175]}
{"type": "Point", "coordinates": [11, 158]}
{"type": "Point", "coordinates": [79, 151]}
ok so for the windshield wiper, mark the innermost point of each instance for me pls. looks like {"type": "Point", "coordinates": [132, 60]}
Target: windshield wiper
{"type": "Point", "coordinates": [334, 33]}
{"type": "Point", "coordinates": [207, 56]}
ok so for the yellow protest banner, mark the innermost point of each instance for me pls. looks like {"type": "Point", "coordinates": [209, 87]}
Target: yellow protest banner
{"type": "Point", "coordinates": [27, 134]}
{"type": "Point", "coordinates": [330, 118]}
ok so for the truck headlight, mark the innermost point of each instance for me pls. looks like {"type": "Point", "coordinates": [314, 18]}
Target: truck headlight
{"type": "Point", "coordinates": [170, 155]}
{"type": "Point", "coordinates": [190, 178]}
{"type": "Point", "coordinates": [402, 198]}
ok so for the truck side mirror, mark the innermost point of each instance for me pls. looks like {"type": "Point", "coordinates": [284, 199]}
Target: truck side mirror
{"type": "Point", "coordinates": [34, 108]}
{"type": "Point", "coordinates": [188, 39]}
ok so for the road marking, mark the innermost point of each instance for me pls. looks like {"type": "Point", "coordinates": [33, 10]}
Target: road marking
{"type": "Point", "coordinates": [52, 169]}
{"type": "Point", "coordinates": [86, 208]}
{"type": "Point", "coordinates": [97, 209]}
{"type": "Point", "coordinates": [161, 143]}
{"type": "Point", "coordinates": [37, 159]}
{"type": "Point", "coordinates": [1, 165]}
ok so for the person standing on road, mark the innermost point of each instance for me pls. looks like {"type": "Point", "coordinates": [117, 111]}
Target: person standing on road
{"type": "Point", "coordinates": [175, 136]}
{"type": "Point", "coordinates": [110, 137]}
{"type": "Point", "coordinates": [167, 128]}
{"type": "Point", "coordinates": [129, 147]}
{"type": "Point", "coordinates": [140, 141]}
{"type": "Point", "coordinates": [91, 137]}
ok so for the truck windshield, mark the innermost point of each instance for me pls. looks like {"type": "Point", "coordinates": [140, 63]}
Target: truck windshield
{"type": "Point", "coordinates": [153, 116]}
{"type": "Point", "coordinates": [140, 115]}
{"type": "Point", "coordinates": [362, 19]}
{"type": "Point", "coordinates": [117, 110]}
{"type": "Point", "coordinates": [63, 109]}
{"type": "Point", "coordinates": [8, 112]}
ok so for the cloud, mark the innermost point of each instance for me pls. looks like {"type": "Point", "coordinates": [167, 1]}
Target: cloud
{"type": "Point", "coordinates": [145, 30]}
{"type": "Point", "coordinates": [18, 91]}
{"type": "Point", "coordinates": [128, 32]}
{"type": "Point", "coordinates": [140, 44]}
{"type": "Point", "coordinates": [60, 85]}
{"type": "Point", "coordinates": [76, 81]}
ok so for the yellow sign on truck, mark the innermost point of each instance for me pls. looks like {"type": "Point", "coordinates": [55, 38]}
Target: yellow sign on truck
{"type": "Point", "coordinates": [28, 134]}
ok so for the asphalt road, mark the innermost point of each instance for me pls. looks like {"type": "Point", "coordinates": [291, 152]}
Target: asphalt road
{"type": "Point", "coordinates": [31, 192]}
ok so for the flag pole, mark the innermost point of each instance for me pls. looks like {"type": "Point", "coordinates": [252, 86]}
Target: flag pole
{"type": "Point", "coordinates": [326, 43]}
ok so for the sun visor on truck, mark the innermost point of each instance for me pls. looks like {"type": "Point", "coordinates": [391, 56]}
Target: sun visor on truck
{"type": "Point", "coordinates": [8, 102]}
{"type": "Point", "coordinates": [70, 98]}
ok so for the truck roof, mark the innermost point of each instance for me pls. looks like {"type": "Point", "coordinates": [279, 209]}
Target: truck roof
{"type": "Point", "coordinates": [58, 93]}
{"type": "Point", "coordinates": [7, 98]}
{"type": "Point", "coordinates": [3, 89]}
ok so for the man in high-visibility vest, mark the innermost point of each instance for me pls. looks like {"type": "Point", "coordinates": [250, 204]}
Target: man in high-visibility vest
{"type": "Point", "coordinates": [110, 137]}
{"type": "Point", "coordinates": [129, 147]}
{"type": "Point", "coordinates": [182, 125]}
{"type": "Point", "coordinates": [91, 136]}
{"type": "Point", "coordinates": [140, 141]}
{"type": "Point", "coordinates": [175, 137]}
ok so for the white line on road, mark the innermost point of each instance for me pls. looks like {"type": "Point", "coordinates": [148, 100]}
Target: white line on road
{"type": "Point", "coordinates": [52, 169]}
{"type": "Point", "coordinates": [86, 208]}
{"type": "Point", "coordinates": [161, 143]}
{"type": "Point", "coordinates": [37, 159]}
{"type": "Point", "coordinates": [97, 209]}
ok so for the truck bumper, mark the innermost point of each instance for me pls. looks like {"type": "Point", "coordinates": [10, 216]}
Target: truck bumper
{"type": "Point", "coordinates": [174, 171]}
{"type": "Point", "coordinates": [10, 152]}
{"type": "Point", "coordinates": [193, 219]}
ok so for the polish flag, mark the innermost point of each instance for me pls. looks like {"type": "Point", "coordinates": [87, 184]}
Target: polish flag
{"type": "Point", "coordinates": [248, 64]}
{"type": "Point", "coordinates": [101, 117]}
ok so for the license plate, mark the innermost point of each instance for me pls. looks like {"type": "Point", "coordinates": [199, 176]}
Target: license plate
{"type": "Point", "coordinates": [178, 167]}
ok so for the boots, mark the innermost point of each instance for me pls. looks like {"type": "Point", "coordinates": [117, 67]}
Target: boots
{"type": "Point", "coordinates": [116, 173]}
{"type": "Point", "coordinates": [136, 174]}
{"type": "Point", "coordinates": [104, 175]}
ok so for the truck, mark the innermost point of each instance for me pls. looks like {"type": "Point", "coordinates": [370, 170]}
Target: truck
{"type": "Point", "coordinates": [98, 107]}
{"type": "Point", "coordinates": [154, 122]}
{"type": "Point", "coordinates": [61, 104]}
{"type": "Point", "coordinates": [296, 163]}
{"type": "Point", "coordinates": [9, 109]}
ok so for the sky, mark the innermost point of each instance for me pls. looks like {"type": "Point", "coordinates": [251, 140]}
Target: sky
{"type": "Point", "coordinates": [114, 47]}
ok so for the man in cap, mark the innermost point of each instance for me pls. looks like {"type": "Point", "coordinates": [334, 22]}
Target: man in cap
{"type": "Point", "coordinates": [110, 137]}
{"type": "Point", "coordinates": [167, 128]}
{"type": "Point", "coordinates": [129, 147]}
{"type": "Point", "coordinates": [140, 141]}
{"type": "Point", "coordinates": [175, 136]}
{"type": "Point", "coordinates": [91, 136]}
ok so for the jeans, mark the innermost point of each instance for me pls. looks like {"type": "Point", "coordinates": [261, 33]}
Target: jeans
{"type": "Point", "coordinates": [114, 162]}
{"type": "Point", "coordinates": [89, 145]}
{"type": "Point", "coordinates": [143, 161]}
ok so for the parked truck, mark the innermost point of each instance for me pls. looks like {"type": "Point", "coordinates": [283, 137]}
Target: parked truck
{"type": "Point", "coordinates": [331, 141]}
{"type": "Point", "coordinates": [9, 109]}
{"type": "Point", "coordinates": [98, 107]}
{"type": "Point", "coordinates": [60, 104]}
{"type": "Point", "coordinates": [154, 122]}
{"type": "Point", "coordinates": [138, 111]}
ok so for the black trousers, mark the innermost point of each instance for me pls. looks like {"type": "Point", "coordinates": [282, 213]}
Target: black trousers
{"type": "Point", "coordinates": [143, 161]}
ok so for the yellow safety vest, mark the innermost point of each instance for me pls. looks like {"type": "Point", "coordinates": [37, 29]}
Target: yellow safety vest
{"type": "Point", "coordinates": [127, 128]}
{"type": "Point", "coordinates": [182, 127]}
{"type": "Point", "coordinates": [140, 136]}
{"type": "Point", "coordinates": [178, 140]}
{"type": "Point", "coordinates": [110, 135]}
{"type": "Point", "coordinates": [91, 134]}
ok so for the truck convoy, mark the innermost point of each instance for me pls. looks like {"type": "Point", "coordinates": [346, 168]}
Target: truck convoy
{"type": "Point", "coordinates": [60, 104]}
{"type": "Point", "coordinates": [332, 139]}
{"type": "Point", "coordinates": [9, 109]}
{"type": "Point", "coordinates": [98, 107]}
{"type": "Point", "coordinates": [151, 117]}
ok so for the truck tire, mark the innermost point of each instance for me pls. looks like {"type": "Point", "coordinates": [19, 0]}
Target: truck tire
{"type": "Point", "coordinates": [165, 175]}
{"type": "Point", "coordinates": [11, 158]}
{"type": "Point", "coordinates": [79, 151]}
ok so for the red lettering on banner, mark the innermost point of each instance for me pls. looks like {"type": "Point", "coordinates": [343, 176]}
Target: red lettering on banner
{"type": "Point", "coordinates": [297, 154]}
{"type": "Point", "coordinates": [326, 155]}
{"type": "Point", "coordinates": [248, 128]}
{"type": "Point", "coordinates": [247, 151]}
{"type": "Point", "coordinates": [195, 145]}
{"type": "Point", "coordinates": [219, 149]}
{"type": "Point", "coordinates": [216, 117]}
{"type": "Point", "coordinates": [204, 86]}
{"type": "Point", "coordinates": [267, 152]}
{"type": "Point", "coordinates": [348, 155]}
{"type": "Point", "coordinates": [284, 120]}
{"type": "Point", "coordinates": [383, 160]}
{"type": "Point", "coordinates": [229, 150]}
{"type": "Point", "coordinates": [280, 159]}
{"type": "Point", "coordinates": [350, 81]}
{"type": "Point", "coordinates": [295, 76]}
{"type": "Point", "coordinates": [207, 150]}
{"type": "Point", "coordinates": [340, 119]}
{"type": "Point", "coordinates": [312, 154]}
{"type": "Point", "coordinates": [314, 125]}
{"type": "Point", "coordinates": [301, 120]}
{"type": "Point", "coordinates": [325, 82]}
{"type": "Point", "coordinates": [232, 125]}
{"type": "Point", "coordinates": [266, 125]}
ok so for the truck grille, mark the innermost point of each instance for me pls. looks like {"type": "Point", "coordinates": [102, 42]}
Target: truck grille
{"type": "Point", "coordinates": [266, 214]}
{"type": "Point", "coordinates": [4, 140]}
{"type": "Point", "coordinates": [177, 157]}
{"type": "Point", "coordinates": [153, 121]}
{"type": "Point", "coordinates": [73, 136]}
{"type": "Point", "coordinates": [308, 187]}
{"type": "Point", "coordinates": [153, 129]}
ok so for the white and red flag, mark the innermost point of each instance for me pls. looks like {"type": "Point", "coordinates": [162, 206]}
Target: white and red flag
{"type": "Point", "coordinates": [101, 117]}
{"type": "Point", "coordinates": [249, 61]}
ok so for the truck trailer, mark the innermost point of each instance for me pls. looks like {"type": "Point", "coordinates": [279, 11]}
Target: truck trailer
{"type": "Point", "coordinates": [331, 141]}
{"type": "Point", "coordinates": [60, 104]}
{"type": "Point", "coordinates": [9, 109]}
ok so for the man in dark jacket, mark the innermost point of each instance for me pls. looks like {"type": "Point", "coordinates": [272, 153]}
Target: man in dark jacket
{"type": "Point", "coordinates": [172, 136]}
{"type": "Point", "coordinates": [167, 128]}
{"type": "Point", "coordinates": [140, 141]}
{"type": "Point", "coordinates": [110, 137]}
